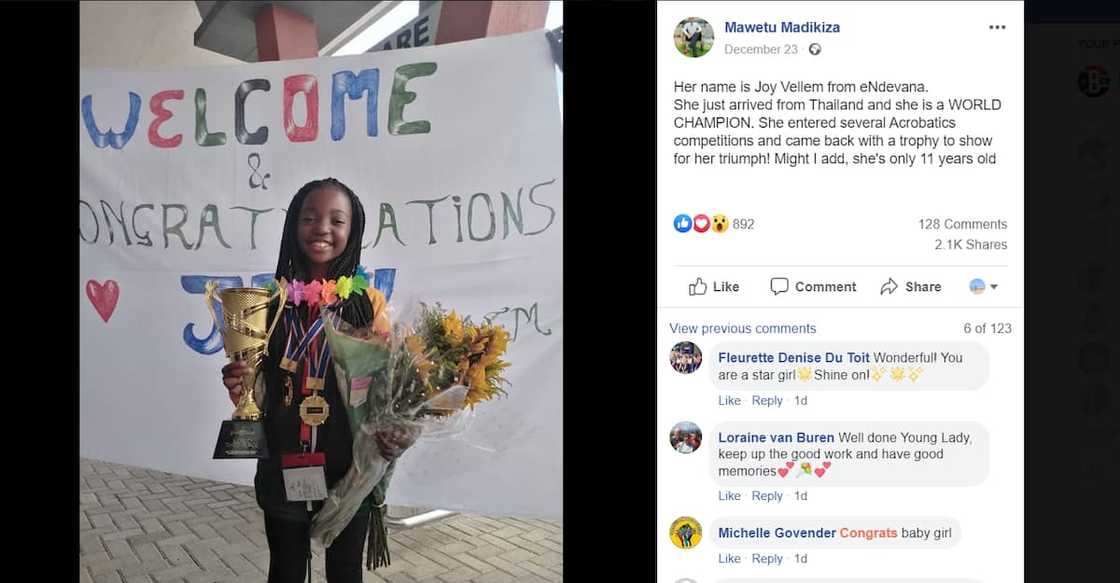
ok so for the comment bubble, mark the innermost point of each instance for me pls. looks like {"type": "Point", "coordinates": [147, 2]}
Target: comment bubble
{"type": "Point", "coordinates": [850, 365]}
{"type": "Point", "coordinates": [849, 453]}
{"type": "Point", "coordinates": [835, 532]}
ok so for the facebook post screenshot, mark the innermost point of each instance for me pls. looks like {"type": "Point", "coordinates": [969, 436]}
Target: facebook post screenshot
{"type": "Point", "coordinates": [840, 269]}
{"type": "Point", "coordinates": [842, 277]}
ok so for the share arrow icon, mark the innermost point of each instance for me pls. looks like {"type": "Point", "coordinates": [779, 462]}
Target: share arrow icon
{"type": "Point", "coordinates": [889, 287]}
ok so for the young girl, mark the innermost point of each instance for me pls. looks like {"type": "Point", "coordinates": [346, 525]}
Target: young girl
{"type": "Point", "coordinates": [321, 241]}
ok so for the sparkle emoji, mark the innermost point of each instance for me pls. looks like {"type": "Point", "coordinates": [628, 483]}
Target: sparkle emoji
{"type": "Point", "coordinates": [719, 223]}
{"type": "Point", "coordinates": [804, 373]}
{"type": "Point", "coordinates": [897, 373]}
{"type": "Point", "coordinates": [915, 373]}
{"type": "Point", "coordinates": [877, 373]}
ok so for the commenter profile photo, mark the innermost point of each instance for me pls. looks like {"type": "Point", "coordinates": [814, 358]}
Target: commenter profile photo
{"type": "Point", "coordinates": [685, 437]}
{"type": "Point", "coordinates": [685, 532]}
{"type": "Point", "coordinates": [694, 37]}
{"type": "Point", "coordinates": [685, 357]}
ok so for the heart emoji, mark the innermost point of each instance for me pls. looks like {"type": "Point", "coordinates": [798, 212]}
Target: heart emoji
{"type": "Point", "coordinates": [783, 471]}
{"type": "Point", "coordinates": [819, 472]}
{"type": "Point", "coordinates": [789, 464]}
{"type": "Point", "coordinates": [700, 223]}
{"type": "Point", "coordinates": [103, 297]}
{"type": "Point", "coordinates": [827, 465]}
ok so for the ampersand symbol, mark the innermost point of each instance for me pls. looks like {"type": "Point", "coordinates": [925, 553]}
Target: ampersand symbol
{"type": "Point", "coordinates": [256, 180]}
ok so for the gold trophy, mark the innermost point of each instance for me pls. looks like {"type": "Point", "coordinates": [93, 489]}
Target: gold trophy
{"type": "Point", "coordinates": [245, 333]}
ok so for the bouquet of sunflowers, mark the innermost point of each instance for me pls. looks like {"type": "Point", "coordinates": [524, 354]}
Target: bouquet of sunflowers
{"type": "Point", "coordinates": [401, 382]}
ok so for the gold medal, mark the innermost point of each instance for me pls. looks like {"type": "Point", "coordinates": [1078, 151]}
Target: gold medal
{"type": "Point", "coordinates": [288, 364]}
{"type": "Point", "coordinates": [314, 410]}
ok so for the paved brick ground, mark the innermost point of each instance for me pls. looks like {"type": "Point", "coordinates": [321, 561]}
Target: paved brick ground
{"type": "Point", "coordinates": [141, 525]}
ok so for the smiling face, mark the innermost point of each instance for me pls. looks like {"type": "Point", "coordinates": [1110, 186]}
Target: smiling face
{"type": "Point", "coordinates": [324, 227]}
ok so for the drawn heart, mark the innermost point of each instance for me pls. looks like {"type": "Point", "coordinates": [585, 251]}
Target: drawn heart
{"type": "Point", "coordinates": [783, 471]}
{"type": "Point", "coordinates": [103, 297]}
{"type": "Point", "coordinates": [827, 465]}
{"type": "Point", "coordinates": [789, 464]}
{"type": "Point", "coordinates": [819, 472]}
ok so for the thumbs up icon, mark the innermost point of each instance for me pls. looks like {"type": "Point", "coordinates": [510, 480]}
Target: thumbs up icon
{"type": "Point", "coordinates": [697, 289]}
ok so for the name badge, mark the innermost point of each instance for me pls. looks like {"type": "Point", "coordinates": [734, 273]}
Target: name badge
{"type": "Point", "coordinates": [304, 478]}
{"type": "Point", "coordinates": [359, 390]}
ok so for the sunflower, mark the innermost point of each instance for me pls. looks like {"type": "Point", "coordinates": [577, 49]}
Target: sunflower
{"type": "Point", "coordinates": [481, 338]}
{"type": "Point", "coordinates": [381, 324]}
{"type": "Point", "coordinates": [478, 386]}
{"type": "Point", "coordinates": [461, 369]}
{"type": "Point", "coordinates": [453, 329]}
{"type": "Point", "coordinates": [415, 345]}
{"type": "Point", "coordinates": [496, 347]}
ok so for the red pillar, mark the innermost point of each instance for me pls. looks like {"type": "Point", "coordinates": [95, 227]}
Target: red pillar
{"type": "Point", "coordinates": [471, 19]}
{"type": "Point", "coordinates": [284, 34]}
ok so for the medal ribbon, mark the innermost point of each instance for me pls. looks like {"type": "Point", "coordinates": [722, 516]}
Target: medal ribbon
{"type": "Point", "coordinates": [319, 359]}
{"type": "Point", "coordinates": [295, 332]}
{"type": "Point", "coordinates": [305, 342]}
{"type": "Point", "coordinates": [316, 379]}
{"type": "Point", "coordinates": [310, 379]}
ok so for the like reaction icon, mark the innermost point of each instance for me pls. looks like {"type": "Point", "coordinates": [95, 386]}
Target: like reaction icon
{"type": "Point", "coordinates": [697, 289]}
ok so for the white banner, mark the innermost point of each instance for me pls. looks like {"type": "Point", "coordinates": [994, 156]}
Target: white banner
{"type": "Point", "coordinates": [455, 152]}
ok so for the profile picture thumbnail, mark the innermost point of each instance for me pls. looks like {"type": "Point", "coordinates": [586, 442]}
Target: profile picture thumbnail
{"type": "Point", "coordinates": [685, 357]}
{"type": "Point", "coordinates": [685, 437]}
{"type": "Point", "coordinates": [685, 532]}
{"type": "Point", "coordinates": [694, 37]}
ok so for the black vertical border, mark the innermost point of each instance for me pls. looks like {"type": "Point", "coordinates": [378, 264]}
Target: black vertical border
{"type": "Point", "coordinates": [609, 291]}
{"type": "Point", "coordinates": [41, 267]}
{"type": "Point", "coordinates": [1072, 396]}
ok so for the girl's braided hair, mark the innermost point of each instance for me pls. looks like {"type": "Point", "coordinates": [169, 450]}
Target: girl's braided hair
{"type": "Point", "coordinates": [292, 264]}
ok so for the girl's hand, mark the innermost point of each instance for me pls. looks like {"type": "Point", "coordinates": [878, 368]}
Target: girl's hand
{"type": "Point", "coordinates": [232, 374]}
{"type": "Point", "coordinates": [393, 442]}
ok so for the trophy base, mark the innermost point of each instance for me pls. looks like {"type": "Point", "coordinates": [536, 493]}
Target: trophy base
{"type": "Point", "coordinates": [241, 440]}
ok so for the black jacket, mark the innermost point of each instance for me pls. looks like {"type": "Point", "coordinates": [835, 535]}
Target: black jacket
{"type": "Point", "coordinates": [282, 432]}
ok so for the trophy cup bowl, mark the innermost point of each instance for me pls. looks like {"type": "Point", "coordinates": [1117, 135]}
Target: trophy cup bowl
{"type": "Point", "coordinates": [245, 332]}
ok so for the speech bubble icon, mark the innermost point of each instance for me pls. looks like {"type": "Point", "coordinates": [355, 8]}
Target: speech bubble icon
{"type": "Point", "coordinates": [779, 285]}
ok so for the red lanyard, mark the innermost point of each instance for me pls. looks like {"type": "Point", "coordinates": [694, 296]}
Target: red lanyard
{"type": "Point", "coordinates": [311, 355]}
